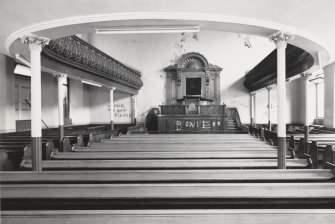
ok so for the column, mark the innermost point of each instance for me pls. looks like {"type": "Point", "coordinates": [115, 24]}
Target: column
{"type": "Point", "coordinates": [269, 88]}
{"type": "Point", "coordinates": [280, 39]}
{"type": "Point", "coordinates": [317, 100]}
{"type": "Point", "coordinates": [134, 108]}
{"type": "Point", "coordinates": [111, 102]}
{"type": "Point", "coordinates": [329, 75]}
{"type": "Point", "coordinates": [36, 44]}
{"type": "Point", "coordinates": [305, 77]}
{"type": "Point", "coordinates": [61, 78]}
{"type": "Point", "coordinates": [252, 109]}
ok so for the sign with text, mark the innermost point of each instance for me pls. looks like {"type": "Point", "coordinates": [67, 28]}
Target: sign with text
{"type": "Point", "coordinates": [122, 108]}
{"type": "Point", "coordinates": [199, 125]}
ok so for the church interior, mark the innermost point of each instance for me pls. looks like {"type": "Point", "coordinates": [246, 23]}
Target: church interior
{"type": "Point", "coordinates": [153, 111]}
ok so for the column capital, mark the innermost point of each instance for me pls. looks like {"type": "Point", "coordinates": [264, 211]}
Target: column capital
{"type": "Point", "coordinates": [253, 94]}
{"type": "Point", "coordinates": [34, 41]}
{"type": "Point", "coordinates": [305, 75]}
{"type": "Point", "coordinates": [269, 88]}
{"type": "Point", "coordinates": [281, 38]}
{"type": "Point", "coordinates": [111, 88]}
{"type": "Point", "coordinates": [60, 75]}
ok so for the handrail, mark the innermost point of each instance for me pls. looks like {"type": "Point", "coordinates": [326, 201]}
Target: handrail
{"type": "Point", "coordinates": [232, 112]}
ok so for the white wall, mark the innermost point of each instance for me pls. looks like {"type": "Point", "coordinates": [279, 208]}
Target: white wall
{"type": "Point", "coordinates": [49, 100]}
{"type": "Point", "coordinates": [99, 105]}
{"type": "Point", "coordinates": [7, 100]}
{"type": "Point", "coordinates": [294, 111]}
{"type": "Point", "coordinates": [79, 102]}
{"type": "Point", "coordinates": [329, 73]}
{"type": "Point", "coordinates": [151, 53]}
{"type": "Point", "coordinates": [122, 108]}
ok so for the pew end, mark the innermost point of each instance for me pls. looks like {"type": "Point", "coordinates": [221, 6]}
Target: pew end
{"type": "Point", "coordinates": [292, 152]}
{"type": "Point", "coordinates": [328, 156]}
{"type": "Point", "coordinates": [309, 161]}
{"type": "Point", "coordinates": [314, 154]}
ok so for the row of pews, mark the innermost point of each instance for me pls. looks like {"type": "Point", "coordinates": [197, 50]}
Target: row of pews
{"type": "Point", "coordinates": [169, 178]}
{"type": "Point", "coordinates": [319, 148]}
{"type": "Point", "coordinates": [14, 146]}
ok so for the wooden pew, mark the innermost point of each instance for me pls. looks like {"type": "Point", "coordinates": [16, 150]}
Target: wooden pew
{"type": "Point", "coordinates": [165, 164]}
{"type": "Point", "coordinates": [12, 154]}
{"type": "Point", "coordinates": [167, 195]}
{"type": "Point", "coordinates": [181, 141]}
{"type": "Point", "coordinates": [329, 156]}
{"type": "Point", "coordinates": [67, 142]}
{"type": "Point", "coordinates": [187, 136]}
{"type": "Point", "coordinates": [232, 154]}
{"type": "Point", "coordinates": [296, 141]}
{"type": "Point", "coordinates": [186, 216]}
{"type": "Point", "coordinates": [317, 150]}
{"type": "Point", "coordinates": [167, 145]}
{"type": "Point", "coordinates": [153, 176]}
{"type": "Point", "coordinates": [169, 148]}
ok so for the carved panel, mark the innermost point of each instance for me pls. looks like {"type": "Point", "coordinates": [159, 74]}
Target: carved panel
{"type": "Point", "coordinates": [193, 63]}
{"type": "Point", "coordinates": [172, 109]}
{"type": "Point", "coordinates": [212, 109]}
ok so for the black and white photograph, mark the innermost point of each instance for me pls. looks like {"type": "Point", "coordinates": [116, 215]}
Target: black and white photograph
{"type": "Point", "coordinates": [167, 111]}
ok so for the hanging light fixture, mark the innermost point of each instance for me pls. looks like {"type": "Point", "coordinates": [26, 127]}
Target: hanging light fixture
{"type": "Point", "coordinates": [149, 29]}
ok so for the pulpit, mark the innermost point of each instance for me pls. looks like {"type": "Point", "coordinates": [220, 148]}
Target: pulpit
{"type": "Point", "coordinates": [193, 97]}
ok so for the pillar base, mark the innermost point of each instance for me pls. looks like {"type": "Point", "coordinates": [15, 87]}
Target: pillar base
{"type": "Point", "coordinates": [112, 125]}
{"type": "Point", "coordinates": [269, 125]}
{"type": "Point", "coordinates": [281, 141]}
{"type": "Point", "coordinates": [36, 153]}
{"type": "Point", "coordinates": [61, 136]}
{"type": "Point", "coordinates": [252, 121]}
{"type": "Point", "coordinates": [306, 150]}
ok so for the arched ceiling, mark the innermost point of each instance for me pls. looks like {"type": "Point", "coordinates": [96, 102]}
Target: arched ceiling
{"type": "Point", "coordinates": [312, 21]}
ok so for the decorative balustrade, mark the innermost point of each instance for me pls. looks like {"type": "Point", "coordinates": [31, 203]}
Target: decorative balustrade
{"type": "Point", "coordinates": [77, 53]}
{"type": "Point", "coordinates": [232, 113]}
{"type": "Point", "coordinates": [172, 109]}
{"type": "Point", "coordinates": [202, 109]}
{"type": "Point", "coordinates": [212, 109]}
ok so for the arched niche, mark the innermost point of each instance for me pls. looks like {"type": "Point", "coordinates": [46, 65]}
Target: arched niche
{"type": "Point", "coordinates": [193, 76]}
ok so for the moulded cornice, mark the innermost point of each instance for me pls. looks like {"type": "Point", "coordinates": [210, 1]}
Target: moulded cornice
{"type": "Point", "coordinates": [209, 17]}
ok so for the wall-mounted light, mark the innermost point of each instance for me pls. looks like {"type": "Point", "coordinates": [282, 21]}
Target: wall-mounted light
{"type": "Point", "coordinates": [91, 83]}
{"type": "Point", "coordinates": [149, 29]}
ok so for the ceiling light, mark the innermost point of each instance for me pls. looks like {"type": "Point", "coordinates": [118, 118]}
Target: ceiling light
{"type": "Point", "coordinates": [91, 83]}
{"type": "Point", "coordinates": [149, 29]}
{"type": "Point", "coordinates": [22, 70]}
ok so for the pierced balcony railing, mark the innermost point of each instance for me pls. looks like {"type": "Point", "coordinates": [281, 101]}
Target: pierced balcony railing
{"type": "Point", "coordinates": [77, 53]}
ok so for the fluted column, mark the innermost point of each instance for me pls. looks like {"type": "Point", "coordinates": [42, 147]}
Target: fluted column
{"type": "Point", "coordinates": [36, 44]}
{"type": "Point", "coordinates": [281, 39]}
{"type": "Point", "coordinates": [61, 78]}
{"type": "Point", "coordinates": [269, 88]}
{"type": "Point", "coordinates": [111, 102]}
{"type": "Point", "coordinates": [134, 108]}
